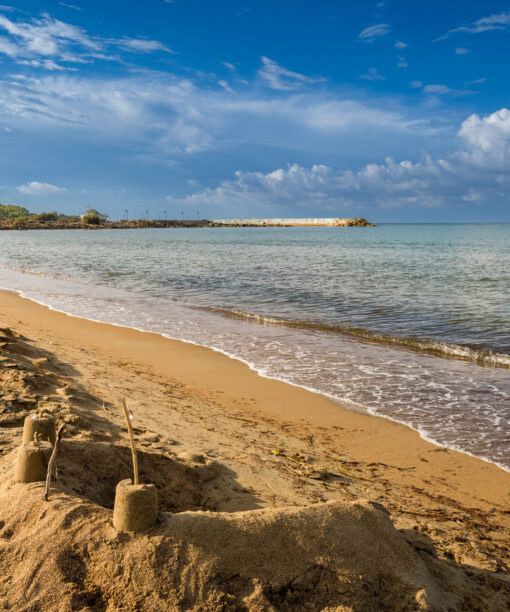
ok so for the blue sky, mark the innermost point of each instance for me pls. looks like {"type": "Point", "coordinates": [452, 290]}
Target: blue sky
{"type": "Point", "coordinates": [396, 111]}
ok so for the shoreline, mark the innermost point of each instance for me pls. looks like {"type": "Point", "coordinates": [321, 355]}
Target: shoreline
{"type": "Point", "coordinates": [342, 404]}
{"type": "Point", "coordinates": [330, 410]}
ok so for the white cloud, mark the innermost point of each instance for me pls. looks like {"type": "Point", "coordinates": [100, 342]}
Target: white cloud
{"type": "Point", "coordinates": [375, 31]}
{"type": "Point", "coordinates": [32, 40]}
{"type": "Point", "coordinates": [282, 79]}
{"type": "Point", "coordinates": [9, 48]}
{"type": "Point", "coordinates": [37, 188]}
{"type": "Point", "coordinates": [500, 21]}
{"type": "Point", "coordinates": [160, 114]}
{"type": "Point", "coordinates": [461, 50]}
{"type": "Point", "coordinates": [47, 64]}
{"type": "Point", "coordinates": [445, 90]}
{"type": "Point", "coordinates": [71, 6]}
{"type": "Point", "coordinates": [142, 45]}
{"type": "Point", "coordinates": [225, 86]}
{"type": "Point", "coordinates": [400, 45]}
{"type": "Point", "coordinates": [402, 63]}
{"type": "Point", "coordinates": [488, 138]}
{"type": "Point", "coordinates": [229, 66]}
{"type": "Point", "coordinates": [372, 75]}
{"type": "Point", "coordinates": [476, 81]}
{"type": "Point", "coordinates": [46, 36]}
{"type": "Point", "coordinates": [478, 173]}
{"type": "Point", "coordinates": [476, 197]}
{"type": "Point", "coordinates": [416, 84]}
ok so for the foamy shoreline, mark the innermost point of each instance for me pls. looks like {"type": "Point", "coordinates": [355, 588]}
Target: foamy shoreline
{"type": "Point", "coordinates": [343, 402]}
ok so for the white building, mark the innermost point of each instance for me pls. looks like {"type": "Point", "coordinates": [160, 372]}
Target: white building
{"type": "Point", "coordinates": [93, 211]}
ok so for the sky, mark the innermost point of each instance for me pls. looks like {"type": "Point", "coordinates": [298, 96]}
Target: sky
{"type": "Point", "coordinates": [396, 111]}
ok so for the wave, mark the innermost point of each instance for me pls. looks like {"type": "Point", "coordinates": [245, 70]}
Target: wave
{"type": "Point", "coordinates": [446, 350]}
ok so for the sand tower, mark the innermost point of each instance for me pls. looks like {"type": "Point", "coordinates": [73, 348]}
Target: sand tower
{"type": "Point", "coordinates": [136, 505]}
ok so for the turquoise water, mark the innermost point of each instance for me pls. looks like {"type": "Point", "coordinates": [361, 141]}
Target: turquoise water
{"type": "Point", "coordinates": [411, 322]}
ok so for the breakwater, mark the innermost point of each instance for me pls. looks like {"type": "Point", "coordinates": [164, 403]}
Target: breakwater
{"type": "Point", "coordinates": [287, 222]}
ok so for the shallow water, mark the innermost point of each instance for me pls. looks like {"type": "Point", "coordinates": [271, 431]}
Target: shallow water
{"type": "Point", "coordinates": [369, 316]}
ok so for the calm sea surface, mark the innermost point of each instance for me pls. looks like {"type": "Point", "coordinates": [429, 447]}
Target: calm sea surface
{"type": "Point", "coordinates": [411, 322]}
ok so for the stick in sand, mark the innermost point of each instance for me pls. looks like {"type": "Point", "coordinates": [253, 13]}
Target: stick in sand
{"type": "Point", "coordinates": [129, 416]}
{"type": "Point", "coordinates": [60, 432]}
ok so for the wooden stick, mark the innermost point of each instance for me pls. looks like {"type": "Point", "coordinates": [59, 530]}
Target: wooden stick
{"type": "Point", "coordinates": [132, 442]}
{"type": "Point", "coordinates": [58, 437]}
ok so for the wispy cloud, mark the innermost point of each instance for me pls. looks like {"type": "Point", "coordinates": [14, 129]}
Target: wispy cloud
{"type": "Point", "coordinates": [372, 75]}
{"type": "Point", "coordinates": [47, 64]}
{"type": "Point", "coordinates": [400, 45]}
{"type": "Point", "coordinates": [161, 115]}
{"type": "Point", "coordinates": [476, 81]}
{"type": "Point", "coordinates": [37, 188]}
{"type": "Point", "coordinates": [229, 66]}
{"type": "Point", "coordinates": [141, 45]}
{"type": "Point", "coordinates": [373, 32]}
{"type": "Point", "coordinates": [461, 51]}
{"type": "Point", "coordinates": [8, 48]}
{"type": "Point", "coordinates": [71, 6]}
{"type": "Point", "coordinates": [225, 86]}
{"type": "Point", "coordinates": [31, 40]}
{"type": "Point", "coordinates": [402, 63]}
{"type": "Point", "coordinates": [282, 79]}
{"type": "Point", "coordinates": [445, 90]}
{"type": "Point", "coordinates": [46, 36]}
{"type": "Point", "coordinates": [500, 21]}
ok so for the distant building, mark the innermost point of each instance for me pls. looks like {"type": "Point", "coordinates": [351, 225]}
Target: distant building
{"type": "Point", "coordinates": [93, 211]}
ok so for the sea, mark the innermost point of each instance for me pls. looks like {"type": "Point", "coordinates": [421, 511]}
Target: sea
{"type": "Point", "coordinates": [410, 322]}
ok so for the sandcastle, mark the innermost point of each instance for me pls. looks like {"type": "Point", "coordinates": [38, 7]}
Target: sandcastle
{"type": "Point", "coordinates": [136, 505]}
{"type": "Point", "coordinates": [32, 462]}
{"type": "Point", "coordinates": [40, 425]}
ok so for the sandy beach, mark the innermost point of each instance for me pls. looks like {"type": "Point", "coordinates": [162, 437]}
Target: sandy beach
{"type": "Point", "coordinates": [234, 443]}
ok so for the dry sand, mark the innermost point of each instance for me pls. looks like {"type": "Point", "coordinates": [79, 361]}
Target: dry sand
{"type": "Point", "coordinates": [271, 497]}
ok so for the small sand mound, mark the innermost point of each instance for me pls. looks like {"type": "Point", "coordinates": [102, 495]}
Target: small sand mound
{"type": "Point", "coordinates": [330, 556]}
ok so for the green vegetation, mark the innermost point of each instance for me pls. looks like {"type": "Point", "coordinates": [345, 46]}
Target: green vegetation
{"type": "Point", "coordinates": [12, 212]}
{"type": "Point", "coordinates": [91, 219]}
{"type": "Point", "coordinates": [18, 217]}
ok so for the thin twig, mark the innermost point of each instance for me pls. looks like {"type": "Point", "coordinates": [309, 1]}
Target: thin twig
{"type": "Point", "coordinates": [58, 437]}
{"type": "Point", "coordinates": [132, 442]}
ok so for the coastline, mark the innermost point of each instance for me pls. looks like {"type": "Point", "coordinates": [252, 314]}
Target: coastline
{"type": "Point", "coordinates": [344, 404]}
{"type": "Point", "coordinates": [368, 437]}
